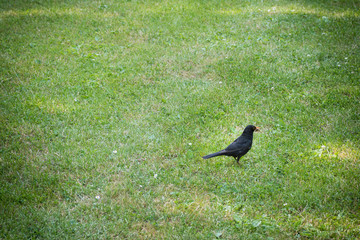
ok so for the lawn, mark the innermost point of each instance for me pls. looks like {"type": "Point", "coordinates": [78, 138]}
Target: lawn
{"type": "Point", "coordinates": [106, 108]}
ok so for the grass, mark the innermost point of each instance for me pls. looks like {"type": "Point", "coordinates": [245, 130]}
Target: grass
{"type": "Point", "coordinates": [108, 106]}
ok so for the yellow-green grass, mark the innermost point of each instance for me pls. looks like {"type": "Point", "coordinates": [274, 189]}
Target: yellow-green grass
{"type": "Point", "coordinates": [108, 106]}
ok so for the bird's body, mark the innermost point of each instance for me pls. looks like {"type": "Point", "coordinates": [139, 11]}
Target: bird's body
{"type": "Point", "coordinates": [239, 147]}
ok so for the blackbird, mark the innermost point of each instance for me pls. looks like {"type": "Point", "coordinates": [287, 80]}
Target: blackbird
{"type": "Point", "coordinates": [239, 147]}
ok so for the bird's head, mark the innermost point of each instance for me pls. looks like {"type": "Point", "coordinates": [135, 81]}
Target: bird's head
{"type": "Point", "coordinates": [252, 128]}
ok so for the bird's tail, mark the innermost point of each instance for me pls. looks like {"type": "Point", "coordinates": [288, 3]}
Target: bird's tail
{"type": "Point", "coordinates": [222, 152]}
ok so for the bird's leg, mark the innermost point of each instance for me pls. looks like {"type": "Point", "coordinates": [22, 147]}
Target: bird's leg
{"type": "Point", "coordinates": [237, 160]}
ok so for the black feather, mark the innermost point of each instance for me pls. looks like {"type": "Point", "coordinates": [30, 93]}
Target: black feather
{"type": "Point", "coordinates": [239, 147]}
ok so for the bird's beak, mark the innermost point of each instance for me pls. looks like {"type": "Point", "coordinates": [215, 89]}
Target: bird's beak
{"type": "Point", "coordinates": [257, 129]}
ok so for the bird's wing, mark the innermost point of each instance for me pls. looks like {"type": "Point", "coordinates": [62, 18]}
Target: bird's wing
{"type": "Point", "coordinates": [239, 145]}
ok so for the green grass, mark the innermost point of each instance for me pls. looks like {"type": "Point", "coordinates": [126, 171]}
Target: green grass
{"type": "Point", "coordinates": [108, 106]}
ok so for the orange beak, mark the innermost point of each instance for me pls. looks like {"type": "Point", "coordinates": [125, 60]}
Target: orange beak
{"type": "Point", "coordinates": [257, 129]}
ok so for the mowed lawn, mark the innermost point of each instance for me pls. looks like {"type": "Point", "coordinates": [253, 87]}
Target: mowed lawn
{"type": "Point", "coordinates": [106, 108]}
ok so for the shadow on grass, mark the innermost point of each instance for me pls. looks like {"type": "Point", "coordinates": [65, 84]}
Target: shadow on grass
{"type": "Point", "coordinates": [332, 5]}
